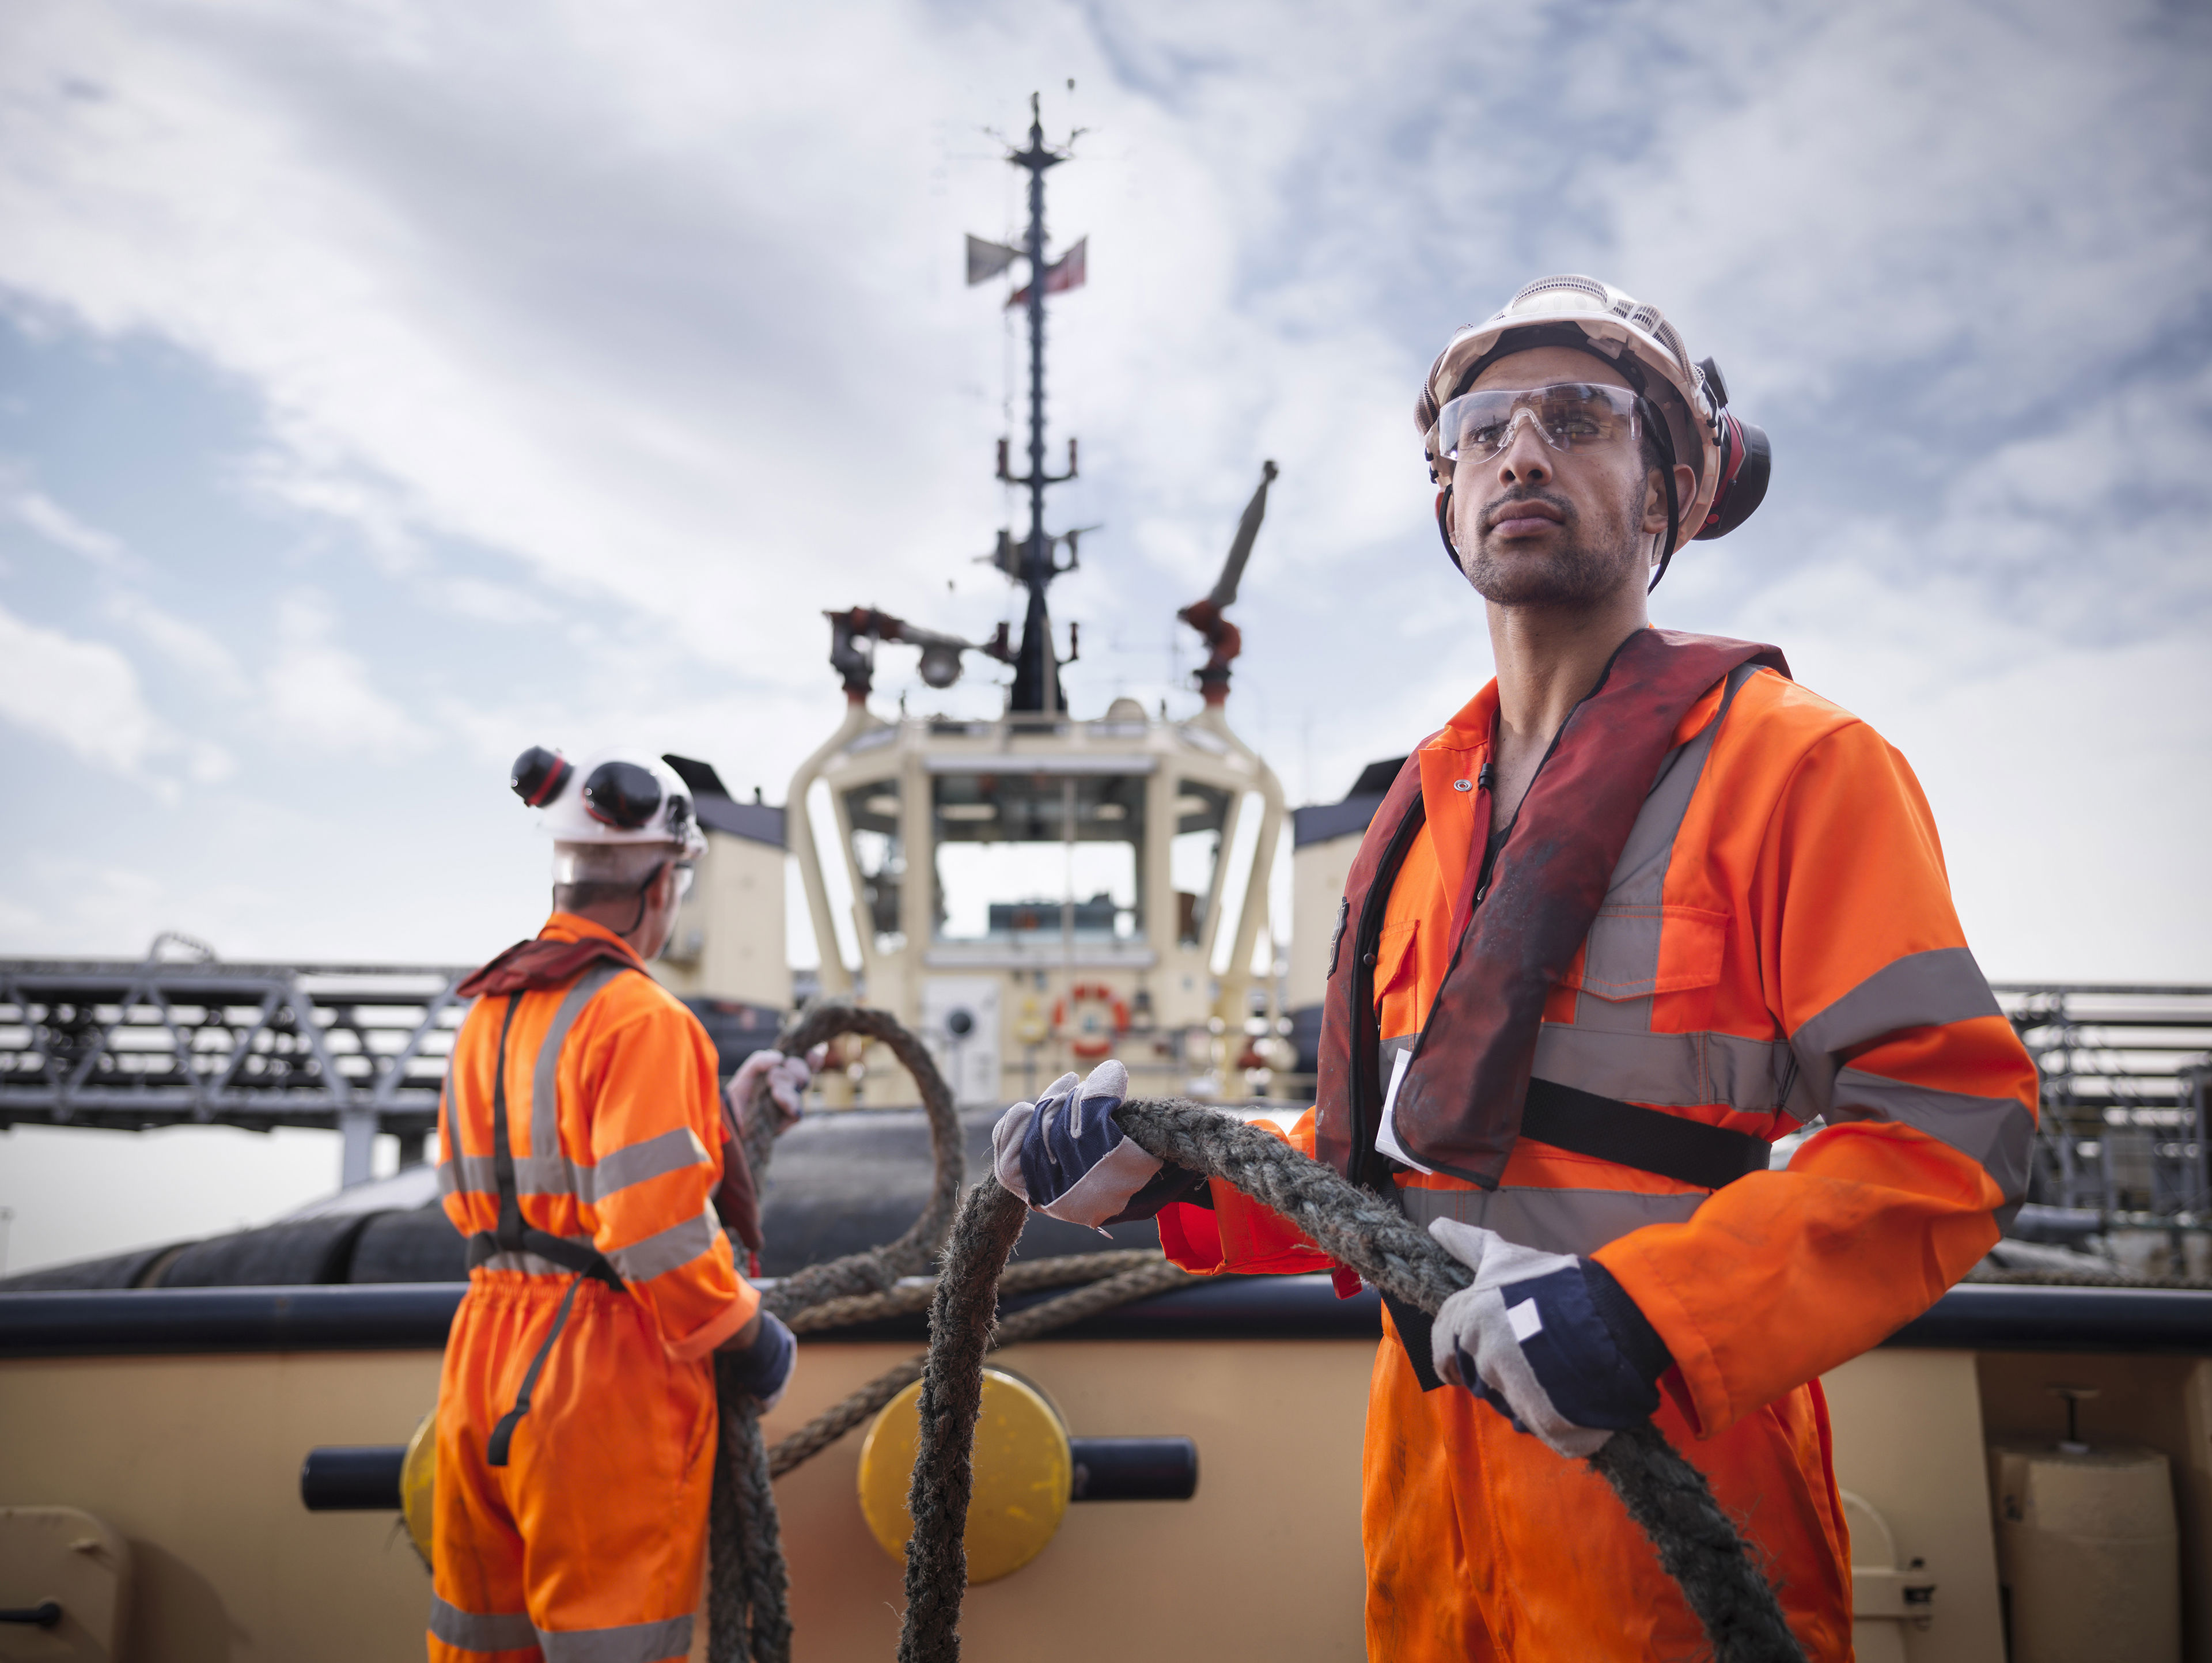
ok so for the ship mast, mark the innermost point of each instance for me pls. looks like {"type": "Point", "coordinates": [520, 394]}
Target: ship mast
{"type": "Point", "coordinates": [1037, 666]}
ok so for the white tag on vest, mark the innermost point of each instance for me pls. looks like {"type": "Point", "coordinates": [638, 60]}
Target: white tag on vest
{"type": "Point", "coordinates": [1386, 1135]}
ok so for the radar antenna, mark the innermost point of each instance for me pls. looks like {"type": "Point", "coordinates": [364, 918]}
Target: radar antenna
{"type": "Point", "coordinates": [1037, 668]}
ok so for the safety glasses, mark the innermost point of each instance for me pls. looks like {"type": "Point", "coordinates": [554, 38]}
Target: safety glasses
{"type": "Point", "coordinates": [1568, 416]}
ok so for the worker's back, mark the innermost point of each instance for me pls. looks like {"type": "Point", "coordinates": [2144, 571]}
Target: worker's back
{"type": "Point", "coordinates": [613, 1122]}
{"type": "Point", "coordinates": [576, 1412]}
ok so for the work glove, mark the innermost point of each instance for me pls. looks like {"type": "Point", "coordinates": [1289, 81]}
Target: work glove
{"type": "Point", "coordinates": [788, 1078]}
{"type": "Point", "coordinates": [1066, 1156]}
{"type": "Point", "coordinates": [762, 1369]}
{"type": "Point", "coordinates": [1550, 1341]}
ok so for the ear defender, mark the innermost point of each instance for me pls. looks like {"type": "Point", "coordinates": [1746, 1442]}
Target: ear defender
{"type": "Point", "coordinates": [539, 776]}
{"type": "Point", "coordinates": [1746, 461]}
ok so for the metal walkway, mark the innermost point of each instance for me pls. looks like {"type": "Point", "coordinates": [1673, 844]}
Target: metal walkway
{"type": "Point", "coordinates": [162, 1042]}
{"type": "Point", "coordinates": [2126, 1070]}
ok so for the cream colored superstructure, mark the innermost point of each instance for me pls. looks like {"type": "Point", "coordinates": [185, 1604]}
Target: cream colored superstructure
{"type": "Point", "coordinates": [728, 942]}
{"type": "Point", "coordinates": [1318, 870]}
{"type": "Point", "coordinates": [1165, 983]}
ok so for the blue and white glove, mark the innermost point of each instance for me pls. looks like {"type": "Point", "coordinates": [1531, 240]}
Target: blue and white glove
{"type": "Point", "coordinates": [1066, 1156]}
{"type": "Point", "coordinates": [1550, 1340]}
{"type": "Point", "coordinates": [764, 1370]}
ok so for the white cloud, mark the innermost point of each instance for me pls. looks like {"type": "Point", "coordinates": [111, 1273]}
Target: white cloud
{"type": "Point", "coordinates": [83, 695]}
{"type": "Point", "coordinates": [665, 309]}
{"type": "Point", "coordinates": [320, 692]}
{"type": "Point", "coordinates": [40, 513]}
{"type": "Point", "coordinates": [193, 650]}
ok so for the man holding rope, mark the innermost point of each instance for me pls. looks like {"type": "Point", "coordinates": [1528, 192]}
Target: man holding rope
{"type": "Point", "coordinates": [586, 1157]}
{"type": "Point", "coordinates": [1643, 907]}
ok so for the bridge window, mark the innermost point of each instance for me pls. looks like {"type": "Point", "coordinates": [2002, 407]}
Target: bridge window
{"type": "Point", "coordinates": [1039, 858]}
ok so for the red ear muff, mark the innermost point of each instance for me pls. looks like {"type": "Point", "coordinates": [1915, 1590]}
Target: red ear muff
{"type": "Point", "coordinates": [539, 776]}
{"type": "Point", "coordinates": [1444, 529]}
{"type": "Point", "coordinates": [1746, 461]}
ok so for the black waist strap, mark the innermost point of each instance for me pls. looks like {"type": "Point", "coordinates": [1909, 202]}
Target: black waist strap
{"type": "Point", "coordinates": [1688, 1151]}
{"type": "Point", "coordinates": [1607, 1129]}
{"type": "Point", "coordinates": [486, 1245]}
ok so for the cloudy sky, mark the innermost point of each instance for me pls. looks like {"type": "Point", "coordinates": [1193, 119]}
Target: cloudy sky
{"type": "Point", "coordinates": [384, 387]}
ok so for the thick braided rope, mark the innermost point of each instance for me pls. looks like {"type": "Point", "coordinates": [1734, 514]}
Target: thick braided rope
{"type": "Point", "coordinates": [960, 1323]}
{"type": "Point", "coordinates": [878, 1269]}
{"type": "Point", "coordinates": [1666, 1495]}
{"type": "Point", "coordinates": [755, 1622]}
{"type": "Point", "coordinates": [915, 1294]}
{"type": "Point", "coordinates": [1150, 1275]}
{"type": "Point", "coordinates": [748, 1618]}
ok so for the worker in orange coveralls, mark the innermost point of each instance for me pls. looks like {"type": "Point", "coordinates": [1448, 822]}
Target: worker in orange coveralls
{"type": "Point", "coordinates": [1641, 907]}
{"type": "Point", "coordinates": [586, 1156]}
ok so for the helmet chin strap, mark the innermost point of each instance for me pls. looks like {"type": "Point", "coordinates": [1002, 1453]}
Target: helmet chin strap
{"type": "Point", "coordinates": [1673, 506]}
{"type": "Point", "coordinates": [644, 894]}
{"type": "Point", "coordinates": [1444, 529]}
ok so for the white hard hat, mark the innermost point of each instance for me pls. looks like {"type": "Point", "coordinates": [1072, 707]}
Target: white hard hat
{"type": "Point", "coordinates": [610, 797]}
{"type": "Point", "coordinates": [1730, 457]}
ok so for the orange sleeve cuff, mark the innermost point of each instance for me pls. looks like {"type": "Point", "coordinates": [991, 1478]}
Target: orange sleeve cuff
{"type": "Point", "coordinates": [718, 1328]}
{"type": "Point", "coordinates": [1237, 1234]}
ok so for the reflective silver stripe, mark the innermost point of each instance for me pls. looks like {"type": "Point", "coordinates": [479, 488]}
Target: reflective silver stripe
{"type": "Point", "coordinates": [1998, 1131]}
{"type": "Point", "coordinates": [1920, 990]}
{"type": "Point", "coordinates": [1620, 958]}
{"type": "Point", "coordinates": [669, 1151]}
{"type": "Point", "coordinates": [1578, 1221]}
{"type": "Point", "coordinates": [545, 1079]}
{"type": "Point", "coordinates": [1670, 1070]}
{"type": "Point", "coordinates": [633, 1642]}
{"type": "Point", "coordinates": [680, 1244]}
{"type": "Point", "coordinates": [1386, 1056]}
{"type": "Point", "coordinates": [1639, 876]}
{"type": "Point", "coordinates": [476, 1174]}
{"type": "Point", "coordinates": [481, 1631]}
{"type": "Point", "coordinates": [446, 1183]}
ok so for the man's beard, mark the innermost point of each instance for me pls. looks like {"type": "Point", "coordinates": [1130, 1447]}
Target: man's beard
{"type": "Point", "coordinates": [1580, 571]}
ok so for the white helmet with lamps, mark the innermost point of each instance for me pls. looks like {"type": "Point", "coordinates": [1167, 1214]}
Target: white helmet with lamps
{"type": "Point", "coordinates": [615, 818]}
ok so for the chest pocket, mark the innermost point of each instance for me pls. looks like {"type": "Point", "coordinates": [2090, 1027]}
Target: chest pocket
{"type": "Point", "coordinates": [1397, 979]}
{"type": "Point", "coordinates": [1635, 952]}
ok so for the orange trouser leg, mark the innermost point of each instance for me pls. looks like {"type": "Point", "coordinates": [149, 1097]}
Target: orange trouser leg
{"type": "Point", "coordinates": [1482, 1544]}
{"type": "Point", "coordinates": [585, 1547]}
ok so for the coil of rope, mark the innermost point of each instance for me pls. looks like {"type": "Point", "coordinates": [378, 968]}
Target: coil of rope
{"type": "Point", "coordinates": [1696, 1544]}
{"type": "Point", "coordinates": [749, 1618]}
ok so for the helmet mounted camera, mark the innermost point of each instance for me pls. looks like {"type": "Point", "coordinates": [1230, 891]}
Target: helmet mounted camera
{"type": "Point", "coordinates": [539, 776]}
{"type": "Point", "coordinates": [622, 794]}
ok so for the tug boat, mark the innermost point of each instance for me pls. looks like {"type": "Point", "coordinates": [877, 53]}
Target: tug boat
{"type": "Point", "coordinates": [205, 1453]}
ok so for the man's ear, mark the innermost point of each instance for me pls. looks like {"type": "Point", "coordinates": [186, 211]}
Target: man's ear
{"type": "Point", "coordinates": [1655, 495]}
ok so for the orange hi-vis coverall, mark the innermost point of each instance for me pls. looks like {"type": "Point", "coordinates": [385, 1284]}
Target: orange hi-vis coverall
{"type": "Point", "coordinates": [586, 1546]}
{"type": "Point", "coordinates": [1777, 945]}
